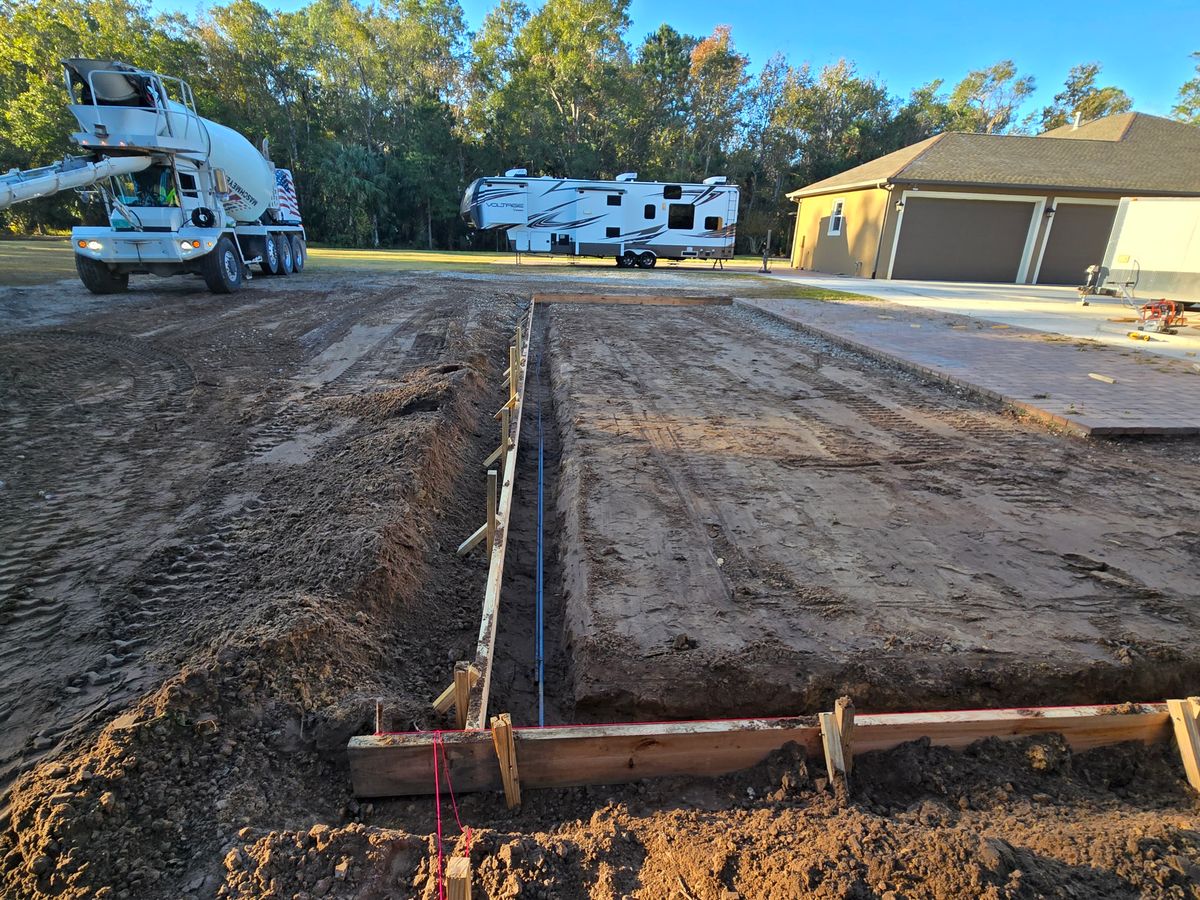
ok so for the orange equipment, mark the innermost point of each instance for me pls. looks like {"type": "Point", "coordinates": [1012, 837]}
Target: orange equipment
{"type": "Point", "coordinates": [1161, 316]}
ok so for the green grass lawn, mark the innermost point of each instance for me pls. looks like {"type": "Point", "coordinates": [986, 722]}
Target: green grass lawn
{"type": "Point", "coordinates": [35, 261]}
{"type": "Point", "coordinates": [29, 261]}
{"type": "Point", "coordinates": [481, 260]}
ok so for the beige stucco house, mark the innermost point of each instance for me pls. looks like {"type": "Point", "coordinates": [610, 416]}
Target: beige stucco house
{"type": "Point", "coordinates": [985, 207]}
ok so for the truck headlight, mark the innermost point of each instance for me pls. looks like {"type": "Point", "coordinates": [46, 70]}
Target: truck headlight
{"type": "Point", "coordinates": [95, 245]}
{"type": "Point", "coordinates": [185, 246]}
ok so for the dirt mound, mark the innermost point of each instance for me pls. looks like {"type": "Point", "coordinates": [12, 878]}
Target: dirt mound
{"type": "Point", "coordinates": [312, 572]}
{"type": "Point", "coordinates": [1002, 820]}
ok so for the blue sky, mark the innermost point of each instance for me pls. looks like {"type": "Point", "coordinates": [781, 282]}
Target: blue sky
{"type": "Point", "coordinates": [1143, 45]}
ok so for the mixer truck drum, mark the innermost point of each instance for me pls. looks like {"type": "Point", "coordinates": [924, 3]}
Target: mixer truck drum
{"type": "Point", "coordinates": [202, 217]}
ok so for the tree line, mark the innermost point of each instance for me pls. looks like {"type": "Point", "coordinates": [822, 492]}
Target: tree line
{"type": "Point", "coordinates": [386, 111]}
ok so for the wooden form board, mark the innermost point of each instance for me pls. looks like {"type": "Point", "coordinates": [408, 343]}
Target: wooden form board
{"type": "Point", "coordinates": [633, 299]}
{"type": "Point", "coordinates": [486, 645]}
{"type": "Point", "coordinates": [390, 765]}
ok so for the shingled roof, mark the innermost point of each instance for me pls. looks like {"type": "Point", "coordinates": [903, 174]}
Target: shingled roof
{"type": "Point", "coordinates": [1125, 154]}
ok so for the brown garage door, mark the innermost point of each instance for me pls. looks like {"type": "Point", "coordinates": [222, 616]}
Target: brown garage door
{"type": "Point", "coordinates": [1078, 238]}
{"type": "Point", "coordinates": [962, 240]}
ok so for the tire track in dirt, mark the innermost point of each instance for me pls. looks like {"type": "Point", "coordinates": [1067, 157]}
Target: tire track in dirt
{"type": "Point", "coordinates": [54, 384]}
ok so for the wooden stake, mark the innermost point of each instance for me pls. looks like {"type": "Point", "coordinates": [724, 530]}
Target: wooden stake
{"type": "Point", "coordinates": [458, 878]}
{"type": "Point", "coordinates": [843, 714]}
{"type": "Point", "coordinates": [462, 693]}
{"type": "Point", "coordinates": [514, 366]}
{"type": "Point", "coordinates": [379, 717]}
{"type": "Point", "coordinates": [506, 753]}
{"type": "Point", "coordinates": [520, 338]}
{"type": "Point", "coordinates": [445, 699]}
{"type": "Point", "coordinates": [1187, 735]}
{"type": "Point", "coordinates": [492, 479]}
{"type": "Point", "coordinates": [831, 741]}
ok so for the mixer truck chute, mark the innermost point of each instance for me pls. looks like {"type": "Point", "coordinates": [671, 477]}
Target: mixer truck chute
{"type": "Point", "coordinates": [183, 194]}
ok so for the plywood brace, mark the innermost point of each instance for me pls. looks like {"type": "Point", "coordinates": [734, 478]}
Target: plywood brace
{"type": "Point", "coordinates": [473, 541]}
{"type": "Point", "coordinates": [506, 755]}
{"type": "Point", "coordinates": [1184, 715]}
{"type": "Point", "coordinates": [389, 765]}
{"type": "Point", "coordinates": [446, 699]}
{"type": "Point", "coordinates": [509, 405]}
{"type": "Point", "coordinates": [506, 442]}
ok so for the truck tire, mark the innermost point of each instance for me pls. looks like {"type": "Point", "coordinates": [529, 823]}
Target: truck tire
{"type": "Point", "coordinates": [222, 268]}
{"type": "Point", "coordinates": [285, 254]}
{"type": "Point", "coordinates": [99, 278]}
{"type": "Point", "coordinates": [270, 256]}
{"type": "Point", "coordinates": [299, 251]}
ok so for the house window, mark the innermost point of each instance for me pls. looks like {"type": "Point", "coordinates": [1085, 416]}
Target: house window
{"type": "Point", "coordinates": [836, 219]}
{"type": "Point", "coordinates": [681, 216]}
{"type": "Point", "coordinates": [612, 232]}
{"type": "Point", "coordinates": [712, 223]}
{"type": "Point", "coordinates": [673, 192]}
{"type": "Point", "coordinates": [650, 211]}
{"type": "Point", "coordinates": [614, 199]}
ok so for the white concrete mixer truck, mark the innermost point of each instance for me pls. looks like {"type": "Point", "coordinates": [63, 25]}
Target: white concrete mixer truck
{"type": "Point", "coordinates": [183, 195]}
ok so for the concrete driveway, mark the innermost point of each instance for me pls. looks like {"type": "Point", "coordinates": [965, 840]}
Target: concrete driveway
{"type": "Point", "coordinates": [1055, 310]}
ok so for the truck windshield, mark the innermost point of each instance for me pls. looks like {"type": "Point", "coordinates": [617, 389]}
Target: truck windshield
{"type": "Point", "coordinates": [154, 186]}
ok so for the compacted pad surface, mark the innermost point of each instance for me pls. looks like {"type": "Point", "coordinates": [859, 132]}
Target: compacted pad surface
{"type": "Point", "coordinates": [754, 521]}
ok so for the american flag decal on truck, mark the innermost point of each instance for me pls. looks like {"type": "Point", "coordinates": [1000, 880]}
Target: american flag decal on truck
{"type": "Point", "coordinates": [285, 197]}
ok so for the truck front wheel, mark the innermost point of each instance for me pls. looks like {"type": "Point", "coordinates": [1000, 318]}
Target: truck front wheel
{"type": "Point", "coordinates": [99, 278]}
{"type": "Point", "coordinates": [223, 268]}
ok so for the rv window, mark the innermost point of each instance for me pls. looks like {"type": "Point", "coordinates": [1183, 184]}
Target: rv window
{"type": "Point", "coordinates": [614, 199]}
{"type": "Point", "coordinates": [612, 232]}
{"type": "Point", "coordinates": [672, 192]}
{"type": "Point", "coordinates": [712, 223]}
{"type": "Point", "coordinates": [650, 210]}
{"type": "Point", "coordinates": [681, 216]}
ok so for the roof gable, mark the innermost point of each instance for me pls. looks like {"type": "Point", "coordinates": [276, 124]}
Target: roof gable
{"type": "Point", "coordinates": [1129, 153]}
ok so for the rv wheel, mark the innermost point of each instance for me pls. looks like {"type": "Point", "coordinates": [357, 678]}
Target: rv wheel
{"type": "Point", "coordinates": [647, 260]}
{"type": "Point", "coordinates": [629, 259]}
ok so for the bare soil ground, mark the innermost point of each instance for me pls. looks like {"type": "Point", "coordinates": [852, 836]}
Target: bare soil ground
{"type": "Point", "coordinates": [753, 512]}
{"type": "Point", "coordinates": [227, 525]}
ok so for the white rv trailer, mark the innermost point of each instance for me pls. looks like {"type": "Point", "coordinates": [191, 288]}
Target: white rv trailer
{"type": "Point", "coordinates": [1154, 249]}
{"type": "Point", "coordinates": [635, 222]}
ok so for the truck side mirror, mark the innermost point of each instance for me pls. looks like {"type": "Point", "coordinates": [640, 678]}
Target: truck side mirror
{"type": "Point", "coordinates": [221, 181]}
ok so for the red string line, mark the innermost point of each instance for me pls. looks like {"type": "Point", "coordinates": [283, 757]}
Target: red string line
{"type": "Point", "coordinates": [466, 831]}
{"type": "Point", "coordinates": [437, 800]}
{"type": "Point", "coordinates": [439, 749]}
